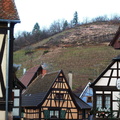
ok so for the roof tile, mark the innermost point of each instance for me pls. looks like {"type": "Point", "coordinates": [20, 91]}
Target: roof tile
{"type": "Point", "coordinates": [30, 75]}
{"type": "Point", "coordinates": [8, 10]}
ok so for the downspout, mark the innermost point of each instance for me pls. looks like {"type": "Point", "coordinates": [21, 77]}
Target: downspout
{"type": "Point", "coordinates": [7, 69]}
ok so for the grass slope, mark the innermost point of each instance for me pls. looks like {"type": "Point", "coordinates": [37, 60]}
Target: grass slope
{"type": "Point", "coordinates": [86, 62]}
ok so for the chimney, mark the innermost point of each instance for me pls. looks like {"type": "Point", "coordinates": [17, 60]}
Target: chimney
{"type": "Point", "coordinates": [44, 67]}
{"type": "Point", "coordinates": [24, 71]}
{"type": "Point", "coordinates": [70, 75]}
{"type": "Point", "coordinates": [44, 72]}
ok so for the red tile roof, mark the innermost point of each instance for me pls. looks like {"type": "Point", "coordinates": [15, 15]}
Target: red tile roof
{"type": "Point", "coordinates": [115, 41]}
{"type": "Point", "coordinates": [30, 75]}
{"type": "Point", "coordinates": [8, 10]}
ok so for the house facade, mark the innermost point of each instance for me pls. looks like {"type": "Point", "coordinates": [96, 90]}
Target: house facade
{"type": "Point", "coordinates": [8, 18]}
{"type": "Point", "coordinates": [50, 98]}
{"type": "Point", "coordinates": [106, 95]}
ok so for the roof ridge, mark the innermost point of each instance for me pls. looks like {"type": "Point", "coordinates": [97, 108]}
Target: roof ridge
{"type": "Point", "coordinates": [54, 72]}
{"type": "Point", "coordinates": [57, 71]}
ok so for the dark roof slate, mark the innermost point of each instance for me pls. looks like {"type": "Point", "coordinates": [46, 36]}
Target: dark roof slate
{"type": "Point", "coordinates": [32, 100]}
{"type": "Point", "coordinates": [42, 84]}
{"type": "Point", "coordinates": [81, 103]}
{"type": "Point", "coordinates": [8, 10]}
{"type": "Point", "coordinates": [38, 89]}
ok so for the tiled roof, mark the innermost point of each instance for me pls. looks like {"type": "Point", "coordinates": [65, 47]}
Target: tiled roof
{"type": "Point", "coordinates": [8, 10]}
{"type": "Point", "coordinates": [38, 89]}
{"type": "Point", "coordinates": [42, 84]}
{"type": "Point", "coordinates": [32, 100]}
{"type": "Point", "coordinates": [115, 38]}
{"type": "Point", "coordinates": [29, 75]}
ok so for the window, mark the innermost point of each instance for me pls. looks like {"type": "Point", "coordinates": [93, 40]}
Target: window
{"type": "Point", "coordinates": [89, 99]}
{"type": "Point", "coordinates": [103, 101]}
{"type": "Point", "coordinates": [54, 114]}
{"type": "Point", "coordinates": [60, 78]}
{"type": "Point", "coordinates": [107, 101]}
{"type": "Point", "coordinates": [59, 96]}
{"type": "Point", "coordinates": [99, 101]}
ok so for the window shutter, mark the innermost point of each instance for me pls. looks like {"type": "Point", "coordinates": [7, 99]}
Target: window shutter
{"type": "Point", "coordinates": [46, 114]}
{"type": "Point", "coordinates": [62, 114]}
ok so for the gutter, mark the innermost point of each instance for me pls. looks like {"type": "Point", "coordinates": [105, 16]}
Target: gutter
{"type": "Point", "coordinates": [9, 21]}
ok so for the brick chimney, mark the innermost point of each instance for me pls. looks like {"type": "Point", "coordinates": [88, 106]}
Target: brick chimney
{"type": "Point", "coordinates": [44, 72]}
{"type": "Point", "coordinates": [44, 69]}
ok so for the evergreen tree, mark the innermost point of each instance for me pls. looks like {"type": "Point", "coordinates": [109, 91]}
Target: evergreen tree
{"type": "Point", "coordinates": [65, 25]}
{"type": "Point", "coordinates": [36, 28]}
{"type": "Point", "coordinates": [75, 19]}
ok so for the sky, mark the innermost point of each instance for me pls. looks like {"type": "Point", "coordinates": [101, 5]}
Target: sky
{"type": "Point", "coordinates": [46, 12]}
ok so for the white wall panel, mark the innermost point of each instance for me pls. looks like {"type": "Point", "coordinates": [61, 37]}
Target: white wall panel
{"type": "Point", "coordinates": [16, 92]}
{"type": "Point", "coordinates": [16, 101]}
{"type": "Point", "coordinates": [107, 92]}
{"type": "Point", "coordinates": [113, 81]}
{"type": "Point", "coordinates": [2, 115]}
{"type": "Point", "coordinates": [116, 95]}
{"type": "Point", "coordinates": [119, 64]}
{"type": "Point", "coordinates": [107, 73]}
{"type": "Point", "coordinates": [1, 95]}
{"type": "Point", "coordinates": [114, 73]}
{"type": "Point", "coordinates": [99, 92]}
{"type": "Point", "coordinates": [115, 106]}
{"type": "Point", "coordinates": [102, 82]}
{"type": "Point", "coordinates": [114, 65]}
{"type": "Point", "coordinates": [4, 63]}
{"type": "Point", "coordinates": [15, 111]}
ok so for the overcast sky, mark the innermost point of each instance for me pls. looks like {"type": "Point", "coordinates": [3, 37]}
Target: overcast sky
{"type": "Point", "coordinates": [46, 11]}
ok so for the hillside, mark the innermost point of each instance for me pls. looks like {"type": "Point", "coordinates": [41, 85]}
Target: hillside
{"type": "Point", "coordinates": [82, 50]}
{"type": "Point", "coordinates": [84, 35]}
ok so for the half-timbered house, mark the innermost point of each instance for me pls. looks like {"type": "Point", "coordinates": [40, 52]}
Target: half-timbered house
{"type": "Point", "coordinates": [49, 97]}
{"type": "Point", "coordinates": [106, 96]}
{"type": "Point", "coordinates": [8, 18]}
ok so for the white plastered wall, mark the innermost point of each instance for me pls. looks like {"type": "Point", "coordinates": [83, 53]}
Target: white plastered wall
{"type": "Point", "coordinates": [4, 62]}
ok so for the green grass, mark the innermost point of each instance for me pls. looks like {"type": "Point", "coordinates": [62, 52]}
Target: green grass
{"type": "Point", "coordinates": [85, 62]}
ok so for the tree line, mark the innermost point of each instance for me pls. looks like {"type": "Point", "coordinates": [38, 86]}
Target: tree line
{"type": "Point", "coordinates": [27, 38]}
